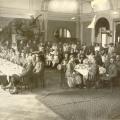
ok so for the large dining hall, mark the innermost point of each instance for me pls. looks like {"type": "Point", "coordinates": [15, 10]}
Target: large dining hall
{"type": "Point", "coordinates": [60, 59]}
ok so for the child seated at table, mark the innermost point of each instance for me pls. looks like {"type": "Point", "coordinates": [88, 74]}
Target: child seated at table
{"type": "Point", "coordinates": [55, 60]}
{"type": "Point", "coordinates": [91, 57]}
{"type": "Point", "coordinates": [49, 59]}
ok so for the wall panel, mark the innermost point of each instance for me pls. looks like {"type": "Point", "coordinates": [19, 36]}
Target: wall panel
{"type": "Point", "coordinates": [20, 4]}
{"type": "Point", "coordinates": [55, 25]}
{"type": "Point", "coordinates": [86, 33]}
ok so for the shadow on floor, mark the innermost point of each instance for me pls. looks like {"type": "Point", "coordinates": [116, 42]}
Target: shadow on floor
{"type": "Point", "coordinates": [79, 104]}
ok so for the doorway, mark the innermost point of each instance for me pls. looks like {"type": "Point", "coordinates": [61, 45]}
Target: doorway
{"type": "Point", "coordinates": [117, 31]}
{"type": "Point", "coordinates": [102, 29]}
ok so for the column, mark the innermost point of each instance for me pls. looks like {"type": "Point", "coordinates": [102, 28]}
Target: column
{"type": "Point", "coordinates": [92, 36]}
{"type": "Point", "coordinates": [44, 8]}
{"type": "Point", "coordinates": [45, 26]}
{"type": "Point", "coordinates": [78, 29]}
{"type": "Point", "coordinates": [81, 32]}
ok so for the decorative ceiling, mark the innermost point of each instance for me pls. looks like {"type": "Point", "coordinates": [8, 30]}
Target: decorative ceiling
{"type": "Point", "coordinates": [25, 8]}
{"type": "Point", "coordinates": [67, 6]}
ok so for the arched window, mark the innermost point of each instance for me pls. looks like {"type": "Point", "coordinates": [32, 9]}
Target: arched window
{"type": "Point", "coordinates": [62, 33]}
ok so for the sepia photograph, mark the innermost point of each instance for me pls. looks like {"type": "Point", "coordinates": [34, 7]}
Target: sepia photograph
{"type": "Point", "coordinates": [60, 59]}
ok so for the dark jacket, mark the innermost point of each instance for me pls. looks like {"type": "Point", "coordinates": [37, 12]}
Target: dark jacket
{"type": "Point", "coordinates": [118, 66]}
{"type": "Point", "coordinates": [98, 60]}
{"type": "Point", "coordinates": [39, 68]}
{"type": "Point", "coordinates": [69, 69]}
{"type": "Point", "coordinates": [28, 70]}
{"type": "Point", "coordinates": [112, 71]}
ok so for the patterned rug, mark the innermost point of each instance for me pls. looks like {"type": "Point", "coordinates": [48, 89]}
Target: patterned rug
{"type": "Point", "coordinates": [84, 104]}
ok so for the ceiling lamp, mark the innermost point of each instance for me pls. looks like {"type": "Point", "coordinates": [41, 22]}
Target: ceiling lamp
{"type": "Point", "coordinates": [115, 12]}
{"type": "Point", "coordinates": [73, 18]}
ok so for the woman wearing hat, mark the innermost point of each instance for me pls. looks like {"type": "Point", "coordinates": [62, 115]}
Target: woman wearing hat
{"type": "Point", "coordinates": [70, 71]}
{"type": "Point", "coordinates": [112, 70]}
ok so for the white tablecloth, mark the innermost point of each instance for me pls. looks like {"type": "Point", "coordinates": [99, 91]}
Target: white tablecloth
{"type": "Point", "coordinates": [8, 68]}
{"type": "Point", "coordinates": [84, 70]}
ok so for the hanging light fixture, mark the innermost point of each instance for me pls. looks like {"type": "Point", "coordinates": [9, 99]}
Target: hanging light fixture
{"type": "Point", "coordinates": [115, 10]}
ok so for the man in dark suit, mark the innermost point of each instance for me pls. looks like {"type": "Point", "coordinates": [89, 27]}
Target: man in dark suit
{"type": "Point", "coordinates": [39, 72]}
{"type": "Point", "coordinates": [28, 69]}
{"type": "Point", "coordinates": [112, 71]}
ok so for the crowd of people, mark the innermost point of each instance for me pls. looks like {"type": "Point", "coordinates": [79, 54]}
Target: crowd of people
{"type": "Point", "coordinates": [35, 57]}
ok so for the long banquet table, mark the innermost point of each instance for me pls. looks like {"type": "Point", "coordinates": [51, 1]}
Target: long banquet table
{"type": "Point", "coordinates": [8, 68]}
{"type": "Point", "coordinates": [84, 70]}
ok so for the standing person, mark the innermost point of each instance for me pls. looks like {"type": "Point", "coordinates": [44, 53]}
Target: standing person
{"type": "Point", "coordinates": [118, 48]}
{"type": "Point", "coordinates": [93, 74]}
{"type": "Point", "coordinates": [111, 49]}
{"type": "Point", "coordinates": [118, 64]}
{"type": "Point", "coordinates": [84, 48]}
{"type": "Point", "coordinates": [112, 71]}
{"type": "Point", "coordinates": [118, 67]}
{"type": "Point", "coordinates": [39, 72]}
{"type": "Point", "coordinates": [34, 46]}
{"type": "Point", "coordinates": [28, 69]}
{"type": "Point", "coordinates": [70, 71]}
{"type": "Point", "coordinates": [98, 58]}
{"type": "Point", "coordinates": [63, 69]}
{"type": "Point", "coordinates": [97, 47]}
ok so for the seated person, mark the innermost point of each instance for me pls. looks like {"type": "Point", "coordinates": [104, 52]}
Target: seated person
{"type": "Point", "coordinates": [26, 74]}
{"type": "Point", "coordinates": [28, 68]}
{"type": "Point", "coordinates": [22, 59]}
{"type": "Point", "coordinates": [86, 61]}
{"type": "Point", "coordinates": [104, 57]}
{"type": "Point", "coordinates": [55, 60]}
{"type": "Point", "coordinates": [80, 59]}
{"type": "Point", "coordinates": [97, 47]}
{"type": "Point", "coordinates": [48, 59]}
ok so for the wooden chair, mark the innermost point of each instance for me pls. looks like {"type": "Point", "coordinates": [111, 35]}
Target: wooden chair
{"type": "Point", "coordinates": [21, 83]}
{"type": "Point", "coordinates": [106, 81]}
{"type": "Point", "coordinates": [25, 84]}
{"type": "Point", "coordinates": [92, 81]}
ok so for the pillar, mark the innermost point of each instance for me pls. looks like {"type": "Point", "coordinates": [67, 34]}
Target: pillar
{"type": "Point", "coordinates": [92, 36]}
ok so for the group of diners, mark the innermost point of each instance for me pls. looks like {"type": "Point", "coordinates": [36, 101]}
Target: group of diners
{"type": "Point", "coordinates": [102, 64]}
{"type": "Point", "coordinates": [32, 73]}
{"type": "Point", "coordinates": [65, 57]}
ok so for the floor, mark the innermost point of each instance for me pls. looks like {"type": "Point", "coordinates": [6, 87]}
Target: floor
{"type": "Point", "coordinates": [56, 103]}
{"type": "Point", "coordinates": [24, 107]}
